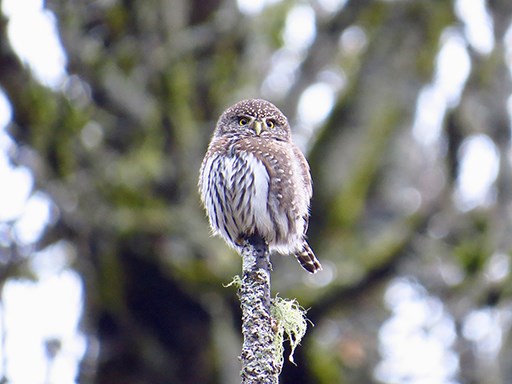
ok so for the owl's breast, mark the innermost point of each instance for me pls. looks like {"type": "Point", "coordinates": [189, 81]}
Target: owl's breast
{"type": "Point", "coordinates": [235, 193]}
{"type": "Point", "coordinates": [248, 189]}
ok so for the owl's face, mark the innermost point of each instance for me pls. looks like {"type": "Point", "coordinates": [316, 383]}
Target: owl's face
{"type": "Point", "coordinates": [254, 117]}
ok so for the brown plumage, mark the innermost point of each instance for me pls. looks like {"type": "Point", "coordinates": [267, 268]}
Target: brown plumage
{"type": "Point", "coordinates": [255, 181]}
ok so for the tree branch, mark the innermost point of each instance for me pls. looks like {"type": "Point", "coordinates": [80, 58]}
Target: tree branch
{"type": "Point", "coordinates": [260, 363]}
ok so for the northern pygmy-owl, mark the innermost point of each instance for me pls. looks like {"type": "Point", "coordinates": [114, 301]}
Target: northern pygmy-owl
{"type": "Point", "coordinates": [254, 181]}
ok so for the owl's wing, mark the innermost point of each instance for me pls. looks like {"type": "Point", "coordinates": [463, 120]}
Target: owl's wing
{"type": "Point", "coordinates": [290, 181]}
{"type": "Point", "coordinates": [278, 159]}
{"type": "Point", "coordinates": [306, 174]}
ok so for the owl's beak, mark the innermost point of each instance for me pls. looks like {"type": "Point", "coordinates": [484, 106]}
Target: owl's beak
{"type": "Point", "coordinates": [258, 127]}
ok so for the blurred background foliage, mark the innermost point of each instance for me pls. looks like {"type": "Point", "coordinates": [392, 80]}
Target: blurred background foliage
{"type": "Point", "coordinates": [405, 119]}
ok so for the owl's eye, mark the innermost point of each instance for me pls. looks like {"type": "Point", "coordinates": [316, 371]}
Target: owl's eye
{"type": "Point", "coordinates": [270, 123]}
{"type": "Point", "coordinates": [243, 121]}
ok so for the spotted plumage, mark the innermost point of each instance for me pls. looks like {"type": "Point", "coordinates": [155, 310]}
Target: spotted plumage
{"type": "Point", "coordinates": [255, 181]}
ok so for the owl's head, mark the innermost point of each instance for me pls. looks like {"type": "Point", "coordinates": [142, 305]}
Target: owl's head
{"type": "Point", "coordinates": [254, 117]}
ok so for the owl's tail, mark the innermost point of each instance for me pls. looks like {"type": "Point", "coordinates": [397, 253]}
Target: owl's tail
{"type": "Point", "coordinates": [307, 259]}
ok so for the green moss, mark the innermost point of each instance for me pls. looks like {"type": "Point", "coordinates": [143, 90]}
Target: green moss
{"type": "Point", "coordinates": [236, 281]}
{"type": "Point", "coordinates": [291, 323]}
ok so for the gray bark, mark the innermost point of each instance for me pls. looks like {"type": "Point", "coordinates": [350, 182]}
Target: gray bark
{"type": "Point", "coordinates": [259, 361]}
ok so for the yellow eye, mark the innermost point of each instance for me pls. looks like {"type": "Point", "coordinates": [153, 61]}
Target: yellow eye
{"type": "Point", "coordinates": [242, 121]}
{"type": "Point", "coordinates": [270, 123]}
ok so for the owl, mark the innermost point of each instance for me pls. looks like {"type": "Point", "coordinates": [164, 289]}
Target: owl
{"type": "Point", "coordinates": [254, 181]}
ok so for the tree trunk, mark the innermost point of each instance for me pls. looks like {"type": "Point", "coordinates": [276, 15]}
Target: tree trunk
{"type": "Point", "coordinates": [259, 361]}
